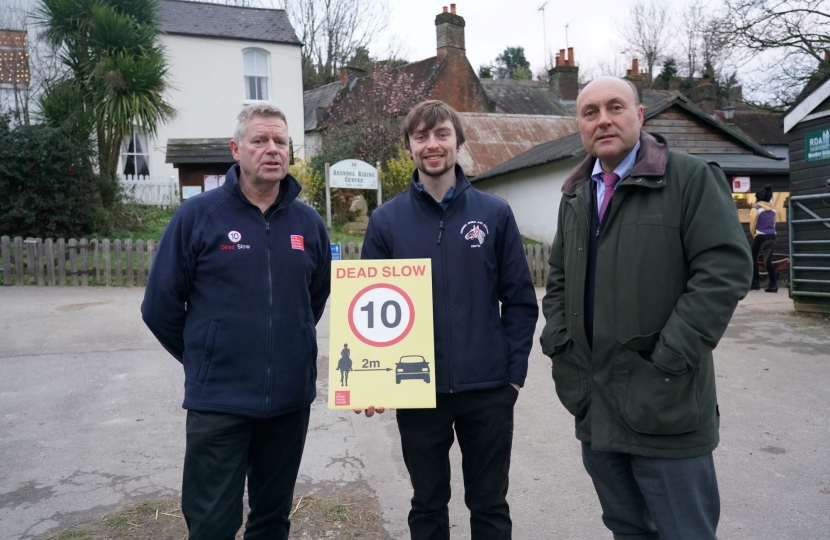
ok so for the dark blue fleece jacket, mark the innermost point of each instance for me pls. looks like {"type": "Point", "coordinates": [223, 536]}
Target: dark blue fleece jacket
{"type": "Point", "coordinates": [235, 297]}
{"type": "Point", "coordinates": [477, 261]}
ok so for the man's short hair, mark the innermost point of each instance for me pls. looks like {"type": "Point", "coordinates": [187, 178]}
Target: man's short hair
{"type": "Point", "coordinates": [266, 110]}
{"type": "Point", "coordinates": [430, 113]}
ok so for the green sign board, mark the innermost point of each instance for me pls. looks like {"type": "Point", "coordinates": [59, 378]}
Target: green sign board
{"type": "Point", "coordinates": [817, 145]}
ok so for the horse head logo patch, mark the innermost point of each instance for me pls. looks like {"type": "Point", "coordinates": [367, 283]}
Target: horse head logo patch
{"type": "Point", "coordinates": [475, 232]}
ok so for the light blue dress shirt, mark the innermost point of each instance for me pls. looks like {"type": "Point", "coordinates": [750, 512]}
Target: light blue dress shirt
{"type": "Point", "coordinates": [622, 170]}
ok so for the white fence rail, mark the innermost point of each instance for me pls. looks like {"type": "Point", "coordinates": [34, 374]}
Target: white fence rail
{"type": "Point", "coordinates": [158, 191]}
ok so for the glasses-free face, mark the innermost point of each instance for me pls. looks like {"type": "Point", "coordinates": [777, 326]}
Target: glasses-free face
{"type": "Point", "coordinates": [263, 155]}
{"type": "Point", "coordinates": [609, 120]}
{"type": "Point", "coordinates": [434, 151]}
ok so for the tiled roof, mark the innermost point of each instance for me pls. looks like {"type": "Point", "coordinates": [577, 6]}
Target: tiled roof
{"type": "Point", "coordinates": [525, 97]}
{"type": "Point", "coordinates": [416, 77]}
{"type": "Point", "coordinates": [492, 139]}
{"type": "Point", "coordinates": [764, 127]}
{"type": "Point", "coordinates": [227, 22]}
{"type": "Point", "coordinates": [316, 100]}
{"type": "Point", "coordinates": [199, 151]}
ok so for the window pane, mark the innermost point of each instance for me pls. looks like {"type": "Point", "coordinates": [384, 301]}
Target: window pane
{"type": "Point", "coordinates": [249, 62]}
{"type": "Point", "coordinates": [261, 64]}
{"type": "Point", "coordinates": [263, 88]}
{"type": "Point", "coordinates": [129, 165]}
{"type": "Point", "coordinates": [250, 88]}
{"type": "Point", "coordinates": [141, 165]}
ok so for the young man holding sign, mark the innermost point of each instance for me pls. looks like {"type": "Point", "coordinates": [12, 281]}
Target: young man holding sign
{"type": "Point", "coordinates": [481, 351]}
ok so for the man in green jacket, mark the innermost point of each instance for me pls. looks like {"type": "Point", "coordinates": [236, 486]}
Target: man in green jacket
{"type": "Point", "coordinates": [647, 266]}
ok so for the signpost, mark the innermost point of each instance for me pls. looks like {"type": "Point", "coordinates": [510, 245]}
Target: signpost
{"type": "Point", "coordinates": [381, 346]}
{"type": "Point", "coordinates": [351, 174]}
{"type": "Point", "coordinates": [336, 252]}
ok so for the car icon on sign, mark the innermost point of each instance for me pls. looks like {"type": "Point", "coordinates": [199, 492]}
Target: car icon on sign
{"type": "Point", "coordinates": [412, 367]}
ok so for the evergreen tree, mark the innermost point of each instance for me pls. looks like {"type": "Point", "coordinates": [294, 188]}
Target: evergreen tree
{"type": "Point", "coordinates": [512, 64]}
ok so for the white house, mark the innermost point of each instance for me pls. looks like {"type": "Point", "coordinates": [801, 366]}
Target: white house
{"type": "Point", "coordinates": [220, 58]}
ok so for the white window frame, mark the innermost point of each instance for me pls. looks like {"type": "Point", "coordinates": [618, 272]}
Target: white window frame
{"type": "Point", "coordinates": [264, 73]}
{"type": "Point", "coordinates": [144, 139]}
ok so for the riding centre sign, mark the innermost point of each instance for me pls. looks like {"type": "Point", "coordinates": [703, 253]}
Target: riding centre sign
{"type": "Point", "coordinates": [353, 173]}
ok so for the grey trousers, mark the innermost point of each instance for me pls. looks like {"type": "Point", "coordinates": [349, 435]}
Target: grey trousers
{"type": "Point", "coordinates": [646, 498]}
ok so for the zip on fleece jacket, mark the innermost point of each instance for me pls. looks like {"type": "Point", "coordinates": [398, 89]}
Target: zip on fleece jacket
{"type": "Point", "coordinates": [478, 263]}
{"type": "Point", "coordinates": [235, 296]}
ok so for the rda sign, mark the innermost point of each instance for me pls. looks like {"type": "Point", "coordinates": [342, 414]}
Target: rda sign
{"type": "Point", "coordinates": [353, 173]}
{"type": "Point", "coordinates": [817, 145]}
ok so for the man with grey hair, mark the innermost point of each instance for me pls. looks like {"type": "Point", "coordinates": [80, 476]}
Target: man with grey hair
{"type": "Point", "coordinates": [239, 282]}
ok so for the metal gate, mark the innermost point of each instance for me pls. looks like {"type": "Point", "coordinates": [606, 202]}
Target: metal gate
{"type": "Point", "coordinates": [809, 224]}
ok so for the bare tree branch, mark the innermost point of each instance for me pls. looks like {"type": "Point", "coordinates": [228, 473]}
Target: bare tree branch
{"type": "Point", "coordinates": [646, 32]}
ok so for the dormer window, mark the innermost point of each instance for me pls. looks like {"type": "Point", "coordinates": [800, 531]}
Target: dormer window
{"type": "Point", "coordinates": [257, 68]}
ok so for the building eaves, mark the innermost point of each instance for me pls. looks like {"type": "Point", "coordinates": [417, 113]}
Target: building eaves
{"type": "Point", "coordinates": [747, 164]}
{"type": "Point", "coordinates": [182, 151]}
{"type": "Point", "coordinates": [185, 18]}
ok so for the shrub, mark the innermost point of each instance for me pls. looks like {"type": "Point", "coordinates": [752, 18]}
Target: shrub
{"type": "Point", "coordinates": [395, 174]}
{"type": "Point", "coordinates": [47, 186]}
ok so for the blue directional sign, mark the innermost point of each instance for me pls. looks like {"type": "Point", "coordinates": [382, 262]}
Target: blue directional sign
{"type": "Point", "coordinates": [335, 252]}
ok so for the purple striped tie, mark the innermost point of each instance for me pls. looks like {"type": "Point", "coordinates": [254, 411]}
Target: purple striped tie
{"type": "Point", "coordinates": [609, 180]}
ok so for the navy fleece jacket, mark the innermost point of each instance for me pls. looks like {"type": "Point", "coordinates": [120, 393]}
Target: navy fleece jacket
{"type": "Point", "coordinates": [236, 298]}
{"type": "Point", "coordinates": [478, 262]}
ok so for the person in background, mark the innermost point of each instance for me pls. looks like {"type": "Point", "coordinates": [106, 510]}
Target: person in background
{"type": "Point", "coordinates": [762, 227]}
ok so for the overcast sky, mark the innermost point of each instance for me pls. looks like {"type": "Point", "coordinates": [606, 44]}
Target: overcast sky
{"type": "Point", "coordinates": [492, 25]}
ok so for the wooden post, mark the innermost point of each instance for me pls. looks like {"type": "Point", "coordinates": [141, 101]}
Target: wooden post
{"type": "Point", "coordinates": [139, 251]}
{"type": "Point", "coordinates": [151, 253]}
{"type": "Point", "coordinates": [96, 262]}
{"type": "Point", "coordinates": [61, 262]}
{"type": "Point", "coordinates": [128, 258]}
{"type": "Point", "coordinates": [6, 252]}
{"type": "Point", "coordinates": [38, 249]}
{"type": "Point", "coordinates": [538, 260]}
{"type": "Point", "coordinates": [119, 282]}
{"type": "Point", "coordinates": [73, 261]}
{"type": "Point", "coordinates": [31, 261]}
{"type": "Point", "coordinates": [351, 251]}
{"type": "Point", "coordinates": [107, 264]}
{"type": "Point", "coordinates": [328, 197]}
{"type": "Point", "coordinates": [529, 256]}
{"type": "Point", "coordinates": [359, 249]}
{"type": "Point", "coordinates": [380, 185]}
{"type": "Point", "coordinates": [18, 260]}
{"type": "Point", "coordinates": [84, 263]}
{"type": "Point", "coordinates": [50, 261]}
{"type": "Point", "coordinates": [545, 264]}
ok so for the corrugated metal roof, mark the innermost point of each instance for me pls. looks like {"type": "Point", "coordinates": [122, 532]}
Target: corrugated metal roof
{"type": "Point", "coordinates": [226, 22]}
{"type": "Point", "coordinates": [492, 139]}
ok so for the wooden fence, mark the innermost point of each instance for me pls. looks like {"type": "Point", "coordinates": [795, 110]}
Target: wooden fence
{"type": "Point", "coordinates": [124, 263]}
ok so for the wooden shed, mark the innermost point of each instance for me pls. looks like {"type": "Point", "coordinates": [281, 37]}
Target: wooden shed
{"type": "Point", "coordinates": [807, 123]}
{"type": "Point", "coordinates": [202, 163]}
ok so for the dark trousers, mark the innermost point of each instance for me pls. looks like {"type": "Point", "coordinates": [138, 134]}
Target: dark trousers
{"type": "Point", "coordinates": [646, 498]}
{"type": "Point", "coordinates": [763, 244]}
{"type": "Point", "coordinates": [222, 449]}
{"type": "Point", "coordinates": [483, 421]}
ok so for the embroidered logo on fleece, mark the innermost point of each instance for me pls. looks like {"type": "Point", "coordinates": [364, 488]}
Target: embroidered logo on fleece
{"type": "Point", "coordinates": [297, 242]}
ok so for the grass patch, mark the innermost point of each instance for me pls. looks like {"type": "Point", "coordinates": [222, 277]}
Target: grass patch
{"type": "Point", "coordinates": [530, 241]}
{"type": "Point", "coordinates": [71, 535]}
{"type": "Point", "coordinates": [138, 222]}
{"type": "Point", "coordinates": [337, 234]}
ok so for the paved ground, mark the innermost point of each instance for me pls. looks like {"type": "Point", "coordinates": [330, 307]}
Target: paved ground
{"type": "Point", "coordinates": [90, 421]}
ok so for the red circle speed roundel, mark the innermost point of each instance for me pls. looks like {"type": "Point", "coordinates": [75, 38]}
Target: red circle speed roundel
{"type": "Point", "coordinates": [381, 315]}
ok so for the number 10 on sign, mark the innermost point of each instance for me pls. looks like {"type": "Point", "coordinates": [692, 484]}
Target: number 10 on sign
{"type": "Point", "coordinates": [381, 346]}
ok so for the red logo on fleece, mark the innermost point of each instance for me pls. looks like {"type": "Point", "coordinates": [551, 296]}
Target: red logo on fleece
{"type": "Point", "coordinates": [341, 397]}
{"type": "Point", "coordinates": [297, 242]}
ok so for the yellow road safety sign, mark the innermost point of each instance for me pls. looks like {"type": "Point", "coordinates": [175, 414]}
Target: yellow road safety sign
{"type": "Point", "coordinates": [381, 348]}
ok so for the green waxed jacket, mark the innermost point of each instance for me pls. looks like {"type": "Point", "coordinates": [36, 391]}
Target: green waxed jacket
{"type": "Point", "coordinates": [672, 264]}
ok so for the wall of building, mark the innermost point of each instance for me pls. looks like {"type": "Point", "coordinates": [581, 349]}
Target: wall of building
{"type": "Point", "coordinates": [207, 90]}
{"type": "Point", "coordinates": [534, 195]}
{"type": "Point", "coordinates": [810, 178]}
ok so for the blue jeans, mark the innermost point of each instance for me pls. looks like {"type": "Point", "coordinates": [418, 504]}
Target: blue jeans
{"type": "Point", "coordinates": [645, 498]}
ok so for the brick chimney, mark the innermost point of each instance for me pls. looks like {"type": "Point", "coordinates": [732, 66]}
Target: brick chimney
{"type": "Point", "coordinates": [348, 74]}
{"type": "Point", "coordinates": [636, 77]}
{"type": "Point", "coordinates": [450, 32]}
{"type": "Point", "coordinates": [705, 96]}
{"type": "Point", "coordinates": [564, 76]}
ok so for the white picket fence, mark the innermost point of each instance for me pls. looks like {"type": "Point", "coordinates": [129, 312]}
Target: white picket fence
{"type": "Point", "coordinates": [158, 191]}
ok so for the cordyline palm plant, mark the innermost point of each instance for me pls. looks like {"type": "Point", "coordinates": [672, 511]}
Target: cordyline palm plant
{"type": "Point", "coordinates": [115, 79]}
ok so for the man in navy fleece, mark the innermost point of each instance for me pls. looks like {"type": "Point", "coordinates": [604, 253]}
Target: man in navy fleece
{"type": "Point", "coordinates": [240, 280]}
{"type": "Point", "coordinates": [484, 315]}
